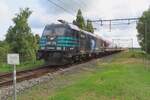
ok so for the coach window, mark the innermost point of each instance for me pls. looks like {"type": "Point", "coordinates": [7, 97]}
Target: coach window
{"type": "Point", "coordinates": [82, 36]}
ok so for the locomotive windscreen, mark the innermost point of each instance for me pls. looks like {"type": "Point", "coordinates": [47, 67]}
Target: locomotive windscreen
{"type": "Point", "coordinates": [53, 31]}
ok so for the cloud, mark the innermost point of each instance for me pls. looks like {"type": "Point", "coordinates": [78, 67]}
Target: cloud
{"type": "Point", "coordinates": [46, 13]}
{"type": "Point", "coordinates": [5, 17]}
{"type": "Point", "coordinates": [115, 9]}
{"type": "Point", "coordinates": [70, 6]}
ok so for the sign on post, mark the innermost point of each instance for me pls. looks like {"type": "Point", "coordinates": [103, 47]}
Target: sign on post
{"type": "Point", "coordinates": [13, 59]}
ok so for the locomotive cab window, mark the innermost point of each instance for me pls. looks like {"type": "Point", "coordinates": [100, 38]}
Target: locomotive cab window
{"type": "Point", "coordinates": [53, 31]}
{"type": "Point", "coordinates": [48, 32]}
{"type": "Point", "coordinates": [59, 31]}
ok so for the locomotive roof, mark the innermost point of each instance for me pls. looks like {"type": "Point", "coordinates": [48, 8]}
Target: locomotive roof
{"type": "Point", "coordinates": [74, 27]}
{"type": "Point", "coordinates": [78, 29]}
{"type": "Point", "coordinates": [89, 33]}
{"type": "Point", "coordinates": [53, 25]}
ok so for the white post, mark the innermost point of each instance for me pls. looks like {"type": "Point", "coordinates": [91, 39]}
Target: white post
{"type": "Point", "coordinates": [13, 59]}
{"type": "Point", "coordinates": [14, 82]}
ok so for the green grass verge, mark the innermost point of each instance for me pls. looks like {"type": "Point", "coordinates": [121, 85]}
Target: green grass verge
{"type": "Point", "coordinates": [23, 66]}
{"type": "Point", "coordinates": [124, 78]}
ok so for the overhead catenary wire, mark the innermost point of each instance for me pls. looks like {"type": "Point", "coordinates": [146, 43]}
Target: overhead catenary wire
{"type": "Point", "coordinates": [62, 1]}
{"type": "Point", "coordinates": [110, 21]}
{"type": "Point", "coordinates": [61, 7]}
{"type": "Point", "coordinates": [57, 5]}
{"type": "Point", "coordinates": [119, 19]}
{"type": "Point", "coordinates": [121, 23]}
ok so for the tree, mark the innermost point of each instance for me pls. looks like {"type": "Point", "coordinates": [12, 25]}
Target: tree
{"type": "Point", "coordinates": [89, 26]}
{"type": "Point", "coordinates": [20, 37]}
{"type": "Point", "coordinates": [79, 20]}
{"type": "Point", "coordinates": [4, 50]}
{"type": "Point", "coordinates": [37, 38]}
{"type": "Point", "coordinates": [37, 41]}
{"type": "Point", "coordinates": [144, 31]}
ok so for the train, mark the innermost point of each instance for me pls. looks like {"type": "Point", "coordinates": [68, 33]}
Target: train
{"type": "Point", "coordinates": [64, 43]}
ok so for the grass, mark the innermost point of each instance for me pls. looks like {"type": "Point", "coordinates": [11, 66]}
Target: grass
{"type": "Point", "coordinates": [123, 78]}
{"type": "Point", "coordinates": [23, 66]}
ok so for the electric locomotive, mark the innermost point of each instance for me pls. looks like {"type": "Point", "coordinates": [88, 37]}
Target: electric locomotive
{"type": "Point", "coordinates": [65, 43]}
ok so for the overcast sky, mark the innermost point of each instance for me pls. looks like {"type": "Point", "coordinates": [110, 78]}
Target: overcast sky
{"type": "Point", "coordinates": [45, 13]}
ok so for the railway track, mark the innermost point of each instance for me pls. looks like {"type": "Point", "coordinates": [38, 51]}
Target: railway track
{"type": "Point", "coordinates": [7, 79]}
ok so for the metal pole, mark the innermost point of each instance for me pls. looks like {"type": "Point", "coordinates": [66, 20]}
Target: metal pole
{"type": "Point", "coordinates": [112, 43]}
{"type": "Point", "coordinates": [110, 26]}
{"type": "Point", "coordinates": [132, 44]}
{"type": "Point", "coordinates": [146, 37]}
{"type": "Point", "coordinates": [14, 83]}
{"type": "Point", "coordinates": [145, 44]}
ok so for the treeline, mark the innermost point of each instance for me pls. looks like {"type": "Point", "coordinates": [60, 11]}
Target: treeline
{"type": "Point", "coordinates": [143, 28]}
{"type": "Point", "coordinates": [81, 23]}
{"type": "Point", "coordinates": [20, 39]}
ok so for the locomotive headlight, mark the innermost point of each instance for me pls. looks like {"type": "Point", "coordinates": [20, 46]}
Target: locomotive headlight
{"type": "Point", "coordinates": [52, 38]}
